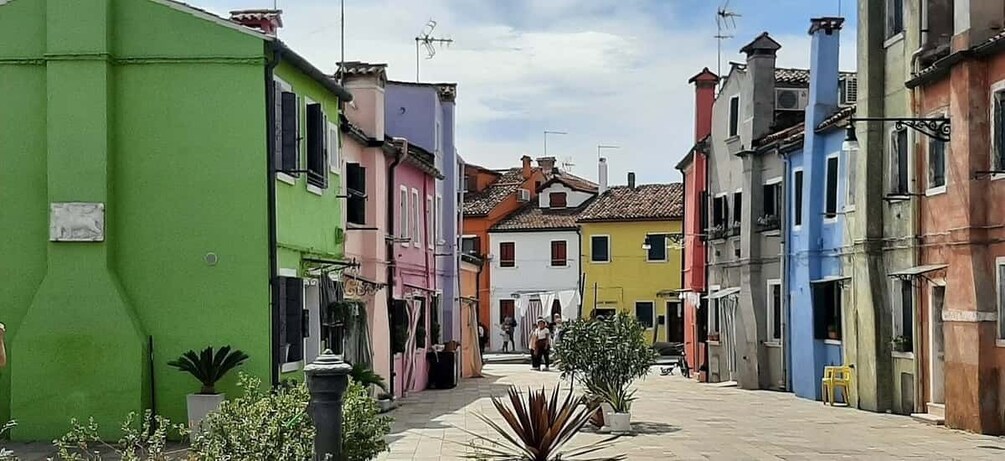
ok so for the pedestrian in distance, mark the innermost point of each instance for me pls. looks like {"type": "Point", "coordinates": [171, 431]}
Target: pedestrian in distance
{"type": "Point", "coordinates": [540, 340]}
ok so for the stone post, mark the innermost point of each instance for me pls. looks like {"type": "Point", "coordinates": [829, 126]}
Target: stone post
{"type": "Point", "coordinates": [327, 380]}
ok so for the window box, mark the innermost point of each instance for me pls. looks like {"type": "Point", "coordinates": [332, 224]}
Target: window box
{"type": "Point", "coordinates": [768, 223]}
{"type": "Point", "coordinates": [902, 344]}
{"type": "Point", "coordinates": [717, 232]}
{"type": "Point", "coordinates": [734, 230]}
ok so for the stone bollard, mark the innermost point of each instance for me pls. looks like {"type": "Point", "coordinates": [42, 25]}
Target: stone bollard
{"type": "Point", "coordinates": [327, 380]}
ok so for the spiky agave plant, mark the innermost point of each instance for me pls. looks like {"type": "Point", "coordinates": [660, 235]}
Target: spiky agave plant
{"type": "Point", "coordinates": [208, 367]}
{"type": "Point", "coordinates": [538, 429]}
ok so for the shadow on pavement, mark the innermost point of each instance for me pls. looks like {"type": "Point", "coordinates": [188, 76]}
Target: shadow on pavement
{"type": "Point", "coordinates": [421, 411]}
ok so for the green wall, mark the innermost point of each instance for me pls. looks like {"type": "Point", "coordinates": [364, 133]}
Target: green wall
{"type": "Point", "coordinates": [159, 114]}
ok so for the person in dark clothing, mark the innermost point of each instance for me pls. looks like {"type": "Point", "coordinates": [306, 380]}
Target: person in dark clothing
{"type": "Point", "coordinates": [540, 340]}
{"type": "Point", "coordinates": [483, 338]}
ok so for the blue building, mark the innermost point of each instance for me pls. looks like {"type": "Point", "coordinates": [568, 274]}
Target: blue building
{"type": "Point", "coordinates": [424, 113]}
{"type": "Point", "coordinates": [816, 196]}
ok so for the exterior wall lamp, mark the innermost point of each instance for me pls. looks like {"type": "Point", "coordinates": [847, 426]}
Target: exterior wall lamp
{"type": "Point", "coordinates": [674, 241]}
{"type": "Point", "coordinates": [937, 128]}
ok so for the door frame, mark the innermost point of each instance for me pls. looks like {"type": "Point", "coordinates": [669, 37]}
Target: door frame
{"type": "Point", "coordinates": [932, 375]}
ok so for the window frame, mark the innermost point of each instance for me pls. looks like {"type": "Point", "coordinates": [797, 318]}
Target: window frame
{"type": "Point", "coordinates": [652, 312]}
{"type": "Point", "coordinates": [996, 89]}
{"type": "Point", "coordinates": [666, 251]}
{"type": "Point", "coordinates": [324, 163]}
{"type": "Point", "coordinates": [931, 190]}
{"type": "Point", "coordinates": [551, 200]}
{"type": "Point", "coordinates": [778, 196]}
{"type": "Point", "coordinates": [565, 259]}
{"type": "Point", "coordinates": [832, 216]}
{"type": "Point", "coordinates": [416, 214]}
{"type": "Point", "coordinates": [849, 179]}
{"type": "Point", "coordinates": [772, 315]}
{"type": "Point", "coordinates": [504, 263]}
{"type": "Point", "coordinates": [283, 274]}
{"type": "Point", "coordinates": [733, 129]}
{"type": "Point", "coordinates": [713, 325]}
{"type": "Point", "coordinates": [512, 304]}
{"type": "Point", "coordinates": [334, 155]}
{"type": "Point", "coordinates": [1000, 300]}
{"type": "Point", "coordinates": [736, 201]}
{"type": "Point", "coordinates": [439, 219]}
{"type": "Point", "coordinates": [476, 239]}
{"type": "Point", "coordinates": [280, 86]}
{"type": "Point", "coordinates": [354, 195]}
{"type": "Point", "coordinates": [818, 334]}
{"type": "Point", "coordinates": [891, 32]}
{"type": "Point", "coordinates": [430, 223]}
{"type": "Point", "coordinates": [893, 159]}
{"type": "Point", "coordinates": [607, 238]}
{"type": "Point", "coordinates": [798, 197]}
{"type": "Point", "coordinates": [403, 225]}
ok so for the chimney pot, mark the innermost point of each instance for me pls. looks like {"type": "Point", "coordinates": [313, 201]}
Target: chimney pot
{"type": "Point", "coordinates": [631, 180]}
{"type": "Point", "coordinates": [527, 171]}
{"type": "Point", "coordinates": [602, 176]}
{"type": "Point", "coordinates": [547, 164]}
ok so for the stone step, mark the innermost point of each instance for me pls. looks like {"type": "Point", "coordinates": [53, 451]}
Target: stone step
{"type": "Point", "coordinates": [937, 409]}
{"type": "Point", "coordinates": [929, 418]}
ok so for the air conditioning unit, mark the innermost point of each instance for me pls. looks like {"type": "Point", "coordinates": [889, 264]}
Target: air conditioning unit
{"type": "Point", "coordinates": [848, 90]}
{"type": "Point", "coordinates": [523, 195]}
{"type": "Point", "coordinates": [790, 99]}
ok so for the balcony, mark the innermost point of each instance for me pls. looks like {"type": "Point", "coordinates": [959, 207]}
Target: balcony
{"type": "Point", "coordinates": [717, 232]}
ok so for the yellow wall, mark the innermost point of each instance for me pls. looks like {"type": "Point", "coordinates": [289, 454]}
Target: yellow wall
{"type": "Point", "coordinates": [628, 277]}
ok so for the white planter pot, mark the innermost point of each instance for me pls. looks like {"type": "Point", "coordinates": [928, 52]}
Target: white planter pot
{"type": "Point", "coordinates": [200, 405]}
{"type": "Point", "coordinates": [618, 423]}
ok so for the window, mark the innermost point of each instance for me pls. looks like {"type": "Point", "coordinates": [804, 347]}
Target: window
{"type": "Point", "coordinates": [471, 245]}
{"type": "Point", "coordinates": [507, 309]}
{"type": "Point", "coordinates": [600, 248]}
{"type": "Point", "coordinates": [797, 194]}
{"type": "Point", "coordinates": [557, 200]}
{"type": "Point", "coordinates": [355, 184]}
{"type": "Point", "coordinates": [737, 208]}
{"type": "Point", "coordinates": [334, 148]}
{"type": "Point", "coordinates": [644, 313]}
{"type": "Point", "coordinates": [403, 215]}
{"type": "Point", "coordinates": [712, 309]}
{"type": "Point", "coordinates": [831, 192]}
{"type": "Point", "coordinates": [1000, 271]}
{"type": "Point", "coordinates": [827, 311]}
{"type": "Point", "coordinates": [288, 130]}
{"type": "Point", "coordinates": [657, 247]}
{"type": "Point", "coordinates": [899, 166]}
{"type": "Point", "coordinates": [775, 301]}
{"type": "Point", "coordinates": [936, 163]}
{"type": "Point", "coordinates": [894, 17]}
{"type": "Point", "coordinates": [772, 199]}
{"type": "Point", "coordinates": [430, 232]}
{"type": "Point", "coordinates": [470, 183]}
{"type": "Point", "coordinates": [439, 218]}
{"type": "Point", "coordinates": [291, 318]}
{"type": "Point", "coordinates": [416, 219]}
{"type": "Point", "coordinates": [998, 136]}
{"type": "Point", "coordinates": [903, 323]}
{"type": "Point", "coordinates": [507, 254]}
{"type": "Point", "coordinates": [734, 116]}
{"type": "Point", "coordinates": [850, 185]}
{"type": "Point", "coordinates": [317, 147]}
{"type": "Point", "coordinates": [559, 252]}
{"type": "Point", "coordinates": [675, 321]}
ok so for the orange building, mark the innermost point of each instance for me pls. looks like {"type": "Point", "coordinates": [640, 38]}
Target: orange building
{"type": "Point", "coordinates": [490, 196]}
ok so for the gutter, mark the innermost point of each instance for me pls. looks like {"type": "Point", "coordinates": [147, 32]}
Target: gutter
{"type": "Point", "coordinates": [389, 243]}
{"type": "Point", "coordinates": [306, 67]}
{"type": "Point", "coordinates": [270, 124]}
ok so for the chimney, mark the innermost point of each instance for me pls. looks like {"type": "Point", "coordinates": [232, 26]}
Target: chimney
{"type": "Point", "coordinates": [704, 98]}
{"type": "Point", "coordinates": [631, 180]}
{"type": "Point", "coordinates": [547, 164]}
{"type": "Point", "coordinates": [602, 176]}
{"type": "Point", "coordinates": [527, 171]}
{"type": "Point", "coordinates": [267, 21]}
{"type": "Point", "coordinates": [761, 55]}
{"type": "Point", "coordinates": [825, 51]}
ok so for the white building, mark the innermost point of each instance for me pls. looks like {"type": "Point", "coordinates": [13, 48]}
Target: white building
{"type": "Point", "coordinates": [535, 258]}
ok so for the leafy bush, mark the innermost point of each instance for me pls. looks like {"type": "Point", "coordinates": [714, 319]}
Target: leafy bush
{"type": "Point", "coordinates": [363, 430]}
{"type": "Point", "coordinates": [606, 356]}
{"type": "Point", "coordinates": [147, 442]}
{"type": "Point", "coordinates": [540, 427]}
{"type": "Point", "coordinates": [209, 368]}
{"type": "Point", "coordinates": [365, 376]}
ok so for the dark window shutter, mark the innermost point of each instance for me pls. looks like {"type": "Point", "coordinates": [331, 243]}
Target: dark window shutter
{"type": "Point", "coordinates": [832, 186]}
{"type": "Point", "coordinates": [277, 153]}
{"type": "Point", "coordinates": [290, 136]}
{"type": "Point", "coordinates": [999, 121]}
{"type": "Point", "coordinates": [315, 146]}
{"type": "Point", "coordinates": [294, 318]}
{"type": "Point", "coordinates": [734, 116]}
{"type": "Point", "coordinates": [797, 185]}
{"type": "Point", "coordinates": [356, 185]}
{"type": "Point", "coordinates": [282, 340]}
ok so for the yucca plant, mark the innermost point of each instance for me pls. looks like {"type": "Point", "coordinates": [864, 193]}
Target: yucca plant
{"type": "Point", "coordinates": [537, 429]}
{"type": "Point", "coordinates": [365, 376]}
{"type": "Point", "coordinates": [208, 367]}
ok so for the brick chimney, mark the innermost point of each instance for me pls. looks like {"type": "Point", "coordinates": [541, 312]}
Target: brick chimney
{"type": "Point", "coordinates": [761, 54]}
{"type": "Point", "coordinates": [704, 98]}
{"type": "Point", "coordinates": [267, 21]}
{"type": "Point", "coordinates": [527, 170]}
{"type": "Point", "coordinates": [547, 164]}
{"type": "Point", "coordinates": [631, 180]}
{"type": "Point", "coordinates": [825, 51]}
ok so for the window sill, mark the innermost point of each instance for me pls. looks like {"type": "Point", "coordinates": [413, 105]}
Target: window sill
{"type": "Point", "coordinates": [714, 343]}
{"type": "Point", "coordinates": [849, 208]}
{"type": "Point", "coordinates": [286, 178]}
{"type": "Point", "coordinates": [600, 262]}
{"type": "Point", "coordinates": [902, 355]}
{"type": "Point", "coordinates": [773, 343]}
{"type": "Point", "coordinates": [935, 191]}
{"type": "Point", "coordinates": [828, 221]}
{"type": "Point", "coordinates": [996, 177]}
{"type": "Point", "coordinates": [772, 233]}
{"type": "Point", "coordinates": [1000, 342]}
{"type": "Point", "coordinates": [656, 261]}
{"type": "Point", "coordinates": [290, 367]}
{"type": "Point", "coordinates": [833, 342]}
{"type": "Point", "coordinates": [564, 266]}
{"type": "Point", "coordinates": [315, 189]}
{"type": "Point", "coordinates": [893, 39]}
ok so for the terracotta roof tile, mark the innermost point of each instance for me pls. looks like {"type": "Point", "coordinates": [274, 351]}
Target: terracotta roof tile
{"type": "Point", "coordinates": [572, 181]}
{"type": "Point", "coordinates": [481, 203]}
{"type": "Point", "coordinates": [647, 202]}
{"type": "Point", "coordinates": [532, 217]}
{"type": "Point", "coordinates": [358, 68]}
{"type": "Point", "coordinates": [837, 117]}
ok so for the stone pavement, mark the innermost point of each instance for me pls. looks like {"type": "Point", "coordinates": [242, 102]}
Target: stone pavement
{"type": "Point", "coordinates": [675, 418]}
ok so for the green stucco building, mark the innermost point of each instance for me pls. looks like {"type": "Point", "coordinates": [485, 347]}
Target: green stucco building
{"type": "Point", "coordinates": [145, 210]}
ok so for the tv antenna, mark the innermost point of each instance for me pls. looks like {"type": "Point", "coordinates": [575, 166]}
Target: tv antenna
{"type": "Point", "coordinates": [725, 24]}
{"type": "Point", "coordinates": [427, 40]}
{"type": "Point", "coordinates": [567, 163]}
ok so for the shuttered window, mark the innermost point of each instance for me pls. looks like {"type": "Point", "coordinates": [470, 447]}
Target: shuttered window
{"type": "Point", "coordinates": [1000, 272]}
{"type": "Point", "coordinates": [899, 161]}
{"type": "Point", "coordinates": [289, 138]}
{"type": "Point", "coordinates": [936, 163]}
{"type": "Point", "coordinates": [317, 146]}
{"type": "Point", "coordinates": [797, 194]}
{"type": "Point", "coordinates": [356, 189]}
{"type": "Point", "coordinates": [734, 116]}
{"type": "Point", "coordinates": [998, 140]}
{"type": "Point", "coordinates": [507, 254]}
{"type": "Point", "coordinates": [557, 199]}
{"type": "Point", "coordinates": [292, 319]}
{"type": "Point", "coordinates": [831, 192]}
{"type": "Point", "coordinates": [559, 256]}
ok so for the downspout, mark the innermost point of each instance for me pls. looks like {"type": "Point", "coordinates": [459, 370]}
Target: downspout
{"type": "Point", "coordinates": [389, 243]}
{"type": "Point", "coordinates": [919, 400]}
{"type": "Point", "coordinates": [580, 280]}
{"type": "Point", "coordinates": [270, 126]}
{"type": "Point", "coordinates": [786, 353]}
{"type": "Point", "coordinates": [705, 248]}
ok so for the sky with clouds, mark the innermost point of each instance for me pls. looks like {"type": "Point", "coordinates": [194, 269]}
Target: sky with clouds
{"type": "Point", "coordinates": [604, 71]}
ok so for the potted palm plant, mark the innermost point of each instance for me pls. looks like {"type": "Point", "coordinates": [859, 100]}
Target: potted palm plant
{"type": "Point", "coordinates": [207, 367]}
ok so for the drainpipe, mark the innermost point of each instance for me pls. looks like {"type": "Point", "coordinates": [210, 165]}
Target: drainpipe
{"type": "Point", "coordinates": [270, 125]}
{"type": "Point", "coordinates": [579, 279]}
{"type": "Point", "coordinates": [784, 269]}
{"type": "Point", "coordinates": [389, 243]}
{"type": "Point", "coordinates": [706, 247]}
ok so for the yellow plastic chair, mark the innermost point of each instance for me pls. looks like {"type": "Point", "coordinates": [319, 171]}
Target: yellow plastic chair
{"type": "Point", "coordinates": [836, 378]}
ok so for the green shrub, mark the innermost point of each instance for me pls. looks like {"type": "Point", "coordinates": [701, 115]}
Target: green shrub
{"type": "Point", "coordinates": [364, 431]}
{"type": "Point", "coordinates": [144, 440]}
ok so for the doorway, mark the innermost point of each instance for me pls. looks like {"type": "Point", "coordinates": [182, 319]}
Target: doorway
{"type": "Point", "coordinates": [675, 322]}
{"type": "Point", "coordinates": [937, 345]}
{"type": "Point", "coordinates": [728, 334]}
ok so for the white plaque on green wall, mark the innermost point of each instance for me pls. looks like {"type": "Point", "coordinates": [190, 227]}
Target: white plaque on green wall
{"type": "Point", "coordinates": [77, 222]}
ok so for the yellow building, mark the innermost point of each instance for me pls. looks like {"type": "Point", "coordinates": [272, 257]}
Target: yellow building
{"type": "Point", "coordinates": [631, 256]}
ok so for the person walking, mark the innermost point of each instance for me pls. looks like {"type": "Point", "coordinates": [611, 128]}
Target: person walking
{"type": "Point", "coordinates": [508, 326]}
{"type": "Point", "coordinates": [3, 349]}
{"type": "Point", "coordinates": [540, 340]}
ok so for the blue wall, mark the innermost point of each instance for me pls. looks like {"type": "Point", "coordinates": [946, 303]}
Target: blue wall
{"type": "Point", "coordinates": [812, 248]}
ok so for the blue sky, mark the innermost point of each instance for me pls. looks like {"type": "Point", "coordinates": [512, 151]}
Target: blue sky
{"type": "Point", "coordinates": [605, 71]}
